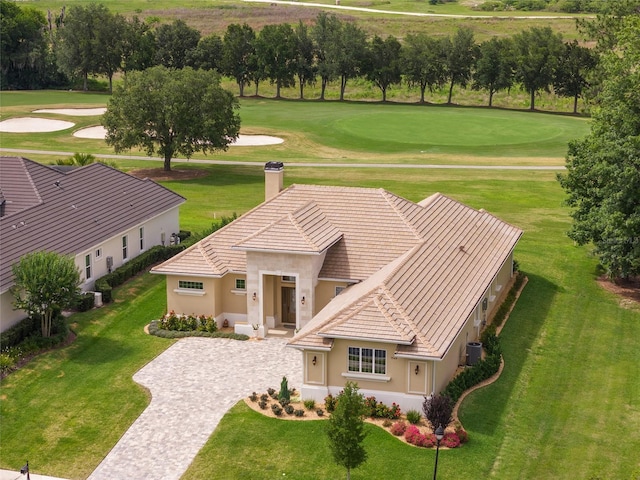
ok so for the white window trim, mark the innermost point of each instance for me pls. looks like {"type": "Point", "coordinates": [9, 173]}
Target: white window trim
{"type": "Point", "coordinates": [98, 253]}
{"type": "Point", "coordinates": [90, 267]}
{"type": "Point", "coordinates": [372, 377]}
{"type": "Point", "coordinates": [124, 245]}
{"type": "Point", "coordinates": [141, 241]}
{"type": "Point", "coordinates": [188, 291]}
{"type": "Point", "coordinates": [373, 360]}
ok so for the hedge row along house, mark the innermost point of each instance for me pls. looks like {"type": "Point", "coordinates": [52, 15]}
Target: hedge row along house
{"type": "Point", "coordinates": [378, 289]}
{"type": "Point", "coordinates": [97, 214]}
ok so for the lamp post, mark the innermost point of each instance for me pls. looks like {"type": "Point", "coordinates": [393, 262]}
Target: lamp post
{"type": "Point", "coordinates": [439, 436]}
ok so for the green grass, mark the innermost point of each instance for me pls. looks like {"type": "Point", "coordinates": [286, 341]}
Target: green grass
{"type": "Point", "coordinates": [346, 132]}
{"type": "Point", "coordinates": [214, 16]}
{"type": "Point", "coordinates": [567, 405]}
{"type": "Point", "coordinates": [66, 409]}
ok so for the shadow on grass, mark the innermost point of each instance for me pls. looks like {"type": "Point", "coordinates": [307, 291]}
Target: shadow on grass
{"type": "Point", "coordinates": [98, 351]}
{"type": "Point", "coordinates": [481, 411]}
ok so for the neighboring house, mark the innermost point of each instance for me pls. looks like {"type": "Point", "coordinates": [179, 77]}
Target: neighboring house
{"type": "Point", "coordinates": [97, 214]}
{"type": "Point", "coordinates": [382, 291]}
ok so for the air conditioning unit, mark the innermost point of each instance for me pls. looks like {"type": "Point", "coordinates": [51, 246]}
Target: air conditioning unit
{"type": "Point", "coordinates": [109, 263]}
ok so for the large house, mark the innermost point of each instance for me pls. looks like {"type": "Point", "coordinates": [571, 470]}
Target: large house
{"type": "Point", "coordinates": [97, 214]}
{"type": "Point", "coordinates": [380, 290]}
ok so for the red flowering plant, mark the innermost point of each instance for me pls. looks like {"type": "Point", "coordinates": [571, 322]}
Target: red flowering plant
{"type": "Point", "coordinates": [398, 428]}
{"type": "Point", "coordinates": [411, 434]}
{"type": "Point", "coordinates": [450, 440]}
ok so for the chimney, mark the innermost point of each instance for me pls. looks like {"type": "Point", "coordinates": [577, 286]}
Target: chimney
{"type": "Point", "coordinates": [273, 179]}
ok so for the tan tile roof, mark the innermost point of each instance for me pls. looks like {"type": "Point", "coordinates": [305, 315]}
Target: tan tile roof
{"type": "Point", "coordinates": [364, 217]}
{"type": "Point", "coordinates": [307, 230]}
{"type": "Point", "coordinates": [431, 290]}
{"type": "Point", "coordinates": [68, 212]}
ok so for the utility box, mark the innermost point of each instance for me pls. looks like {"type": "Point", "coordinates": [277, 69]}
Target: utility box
{"type": "Point", "coordinates": [474, 352]}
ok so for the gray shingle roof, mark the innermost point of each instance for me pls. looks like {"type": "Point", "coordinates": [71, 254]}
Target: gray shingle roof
{"type": "Point", "coordinates": [69, 212]}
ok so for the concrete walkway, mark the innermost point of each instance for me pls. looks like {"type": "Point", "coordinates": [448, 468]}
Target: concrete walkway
{"type": "Point", "coordinates": [193, 383]}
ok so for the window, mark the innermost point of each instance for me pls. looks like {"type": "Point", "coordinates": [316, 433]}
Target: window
{"type": "Point", "coordinates": [367, 360]}
{"type": "Point", "coordinates": [241, 284]}
{"type": "Point", "coordinates": [190, 285]}
{"type": "Point", "coordinates": [288, 278]}
{"type": "Point", "coordinates": [141, 238]}
{"type": "Point", "coordinates": [98, 253]}
{"type": "Point", "coordinates": [87, 267]}
{"type": "Point", "coordinates": [124, 248]}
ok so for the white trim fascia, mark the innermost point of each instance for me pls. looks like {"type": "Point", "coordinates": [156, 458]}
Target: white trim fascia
{"type": "Point", "coordinates": [350, 281]}
{"type": "Point", "coordinates": [370, 377]}
{"type": "Point", "coordinates": [365, 339]}
{"type": "Point", "coordinates": [417, 358]}
{"type": "Point", "coordinates": [305, 348]}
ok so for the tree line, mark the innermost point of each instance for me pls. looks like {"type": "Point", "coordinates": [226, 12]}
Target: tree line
{"type": "Point", "coordinates": [41, 51]}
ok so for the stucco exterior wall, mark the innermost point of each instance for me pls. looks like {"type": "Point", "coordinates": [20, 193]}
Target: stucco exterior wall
{"type": "Point", "coordinates": [188, 301]}
{"type": "Point", "coordinates": [325, 292]}
{"type": "Point", "coordinates": [8, 316]}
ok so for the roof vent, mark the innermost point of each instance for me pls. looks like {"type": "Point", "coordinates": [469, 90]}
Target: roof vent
{"type": "Point", "coordinates": [274, 166]}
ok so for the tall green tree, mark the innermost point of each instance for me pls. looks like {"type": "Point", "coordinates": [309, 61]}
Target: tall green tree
{"type": "Point", "coordinates": [383, 61]}
{"type": "Point", "coordinates": [537, 52]}
{"type": "Point", "coordinates": [208, 53]}
{"type": "Point", "coordinates": [175, 43]}
{"type": "Point", "coordinates": [110, 38]}
{"type": "Point", "coordinates": [305, 67]}
{"type": "Point", "coordinates": [171, 112]}
{"type": "Point", "coordinates": [423, 62]}
{"type": "Point", "coordinates": [460, 55]}
{"type": "Point", "coordinates": [570, 78]}
{"type": "Point", "coordinates": [326, 35]}
{"type": "Point", "coordinates": [603, 170]}
{"type": "Point", "coordinates": [346, 429]}
{"type": "Point", "coordinates": [45, 283]}
{"type": "Point", "coordinates": [239, 54]}
{"type": "Point", "coordinates": [276, 52]}
{"type": "Point", "coordinates": [78, 50]}
{"type": "Point", "coordinates": [495, 67]}
{"type": "Point", "coordinates": [138, 45]}
{"type": "Point", "coordinates": [23, 46]}
{"type": "Point", "coordinates": [352, 54]}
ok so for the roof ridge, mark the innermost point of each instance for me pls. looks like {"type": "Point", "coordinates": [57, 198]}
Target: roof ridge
{"type": "Point", "coordinates": [28, 173]}
{"type": "Point", "coordinates": [299, 228]}
{"type": "Point", "coordinates": [385, 311]}
{"type": "Point", "coordinates": [388, 196]}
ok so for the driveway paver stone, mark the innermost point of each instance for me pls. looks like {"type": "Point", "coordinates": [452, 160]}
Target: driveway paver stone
{"type": "Point", "coordinates": [193, 383]}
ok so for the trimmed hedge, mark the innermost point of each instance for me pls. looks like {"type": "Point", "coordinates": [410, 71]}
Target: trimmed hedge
{"type": "Point", "coordinates": [16, 334]}
{"type": "Point", "coordinates": [134, 266]}
{"type": "Point", "coordinates": [158, 332]}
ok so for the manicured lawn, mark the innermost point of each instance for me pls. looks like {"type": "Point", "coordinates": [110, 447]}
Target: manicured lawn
{"type": "Point", "coordinates": [66, 409]}
{"type": "Point", "coordinates": [567, 405]}
{"type": "Point", "coordinates": [330, 132]}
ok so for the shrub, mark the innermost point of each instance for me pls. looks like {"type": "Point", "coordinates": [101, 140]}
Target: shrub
{"type": "Point", "coordinates": [309, 404]}
{"type": "Point", "coordinates": [7, 363]}
{"type": "Point", "coordinates": [299, 413]}
{"type": "Point", "coordinates": [398, 428]}
{"type": "Point", "coordinates": [262, 404]}
{"type": "Point", "coordinates": [154, 329]}
{"type": "Point", "coordinates": [277, 409]}
{"type": "Point", "coordinates": [429, 440]}
{"type": "Point", "coordinates": [16, 334]}
{"type": "Point", "coordinates": [85, 301]}
{"type": "Point", "coordinates": [371, 405]}
{"type": "Point", "coordinates": [414, 417]}
{"type": "Point", "coordinates": [330, 403]}
{"type": "Point", "coordinates": [450, 440]}
{"type": "Point", "coordinates": [411, 433]}
{"type": "Point", "coordinates": [438, 410]}
{"type": "Point", "coordinates": [271, 391]}
{"type": "Point", "coordinates": [320, 412]}
{"type": "Point", "coordinates": [264, 397]}
{"type": "Point", "coordinates": [289, 409]}
{"type": "Point", "coordinates": [284, 402]}
{"type": "Point", "coordinates": [462, 434]}
{"type": "Point", "coordinates": [387, 423]}
{"type": "Point", "coordinates": [253, 397]}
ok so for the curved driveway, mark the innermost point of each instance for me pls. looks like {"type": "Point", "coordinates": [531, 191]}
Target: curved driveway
{"type": "Point", "coordinates": [193, 383]}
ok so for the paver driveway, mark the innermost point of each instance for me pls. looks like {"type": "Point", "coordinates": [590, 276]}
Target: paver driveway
{"type": "Point", "coordinates": [193, 384]}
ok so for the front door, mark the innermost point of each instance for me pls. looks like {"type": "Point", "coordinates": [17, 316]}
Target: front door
{"type": "Point", "coordinates": [289, 305]}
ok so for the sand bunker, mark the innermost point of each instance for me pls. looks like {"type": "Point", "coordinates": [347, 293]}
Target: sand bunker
{"type": "Point", "coordinates": [99, 132]}
{"type": "Point", "coordinates": [77, 112]}
{"type": "Point", "coordinates": [33, 125]}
